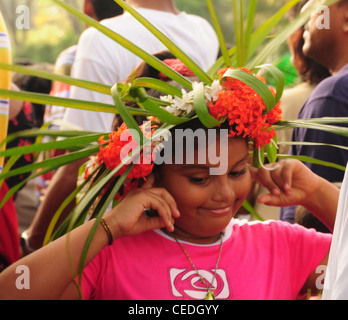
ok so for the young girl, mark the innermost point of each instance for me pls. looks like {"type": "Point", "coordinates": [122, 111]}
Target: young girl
{"type": "Point", "coordinates": [192, 247]}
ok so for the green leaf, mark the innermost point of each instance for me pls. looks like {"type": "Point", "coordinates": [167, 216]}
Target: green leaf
{"type": "Point", "coordinates": [89, 85]}
{"type": "Point", "coordinates": [258, 157]}
{"type": "Point", "coordinates": [250, 24]}
{"type": "Point", "coordinates": [65, 203]}
{"type": "Point", "coordinates": [247, 206]}
{"type": "Point", "coordinates": [304, 143]}
{"type": "Point", "coordinates": [15, 188]}
{"type": "Point", "coordinates": [220, 63]}
{"type": "Point", "coordinates": [157, 111]}
{"type": "Point", "coordinates": [286, 124]}
{"type": "Point", "coordinates": [279, 80]}
{"type": "Point", "coordinates": [49, 133]}
{"type": "Point", "coordinates": [61, 145]}
{"type": "Point", "coordinates": [127, 117]}
{"type": "Point", "coordinates": [103, 209]}
{"type": "Point", "coordinates": [260, 88]}
{"type": "Point", "coordinates": [272, 151]}
{"type": "Point", "coordinates": [217, 27]}
{"type": "Point", "coordinates": [257, 37]}
{"type": "Point", "coordinates": [9, 164]}
{"type": "Point", "coordinates": [201, 108]}
{"type": "Point", "coordinates": [238, 32]}
{"type": "Point", "coordinates": [313, 160]}
{"type": "Point", "coordinates": [65, 102]}
{"type": "Point", "coordinates": [156, 84]}
{"type": "Point", "coordinates": [55, 162]}
{"type": "Point", "coordinates": [262, 33]}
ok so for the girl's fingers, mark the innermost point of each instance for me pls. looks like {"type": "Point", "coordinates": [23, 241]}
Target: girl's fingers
{"type": "Point", "coordinates": [161, 200]}
{"type": "Point", "coordinates": [168, 198]}
{"type": "Point", "coordinates": [264, 177]}
{"type": "Point", "coordinates": [275, 177]}
{"type": "Point", "coordinates": [149, 182]}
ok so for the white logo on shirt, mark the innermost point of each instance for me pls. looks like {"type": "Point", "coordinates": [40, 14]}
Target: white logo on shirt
{"type": "Point", "coordinates": [188, 283]}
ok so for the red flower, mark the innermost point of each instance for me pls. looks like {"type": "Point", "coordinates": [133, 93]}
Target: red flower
{"type": "Point", "coordinates": [245, 110]}
{"type": "Point", "coordinates": [112, 152]}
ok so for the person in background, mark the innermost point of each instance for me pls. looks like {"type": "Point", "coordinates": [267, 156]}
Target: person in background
{"type": "Point", "coordinates": [100, 59]}
{"type": "Point", "coordinates": [329, 47]}
{"type": "Point", "coordinates": [310, 74]}
{"type": "Point", "coordinates": [98, 10]}
{"type": "Point", "coordinates": [27, 116]}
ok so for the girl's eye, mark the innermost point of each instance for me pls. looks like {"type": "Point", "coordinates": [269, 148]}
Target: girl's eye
{"type": "Point", "coordinates": [198, 180]}
{"type": "Point", "coordinates": [235, 174]}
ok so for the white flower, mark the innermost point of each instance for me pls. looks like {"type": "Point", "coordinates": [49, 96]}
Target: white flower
{"type": "Point", "coordinates": [212, 91]}
{"type": "Point", "coordinates": [183, 106]}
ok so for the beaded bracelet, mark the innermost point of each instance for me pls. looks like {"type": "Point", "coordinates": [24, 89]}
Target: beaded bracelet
{"type": "Point", "coordinates": [107, 229]}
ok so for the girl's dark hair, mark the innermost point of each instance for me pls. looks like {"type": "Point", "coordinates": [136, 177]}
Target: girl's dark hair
{"type": "Point", "coordinates": [106, 9]}
{"type": "Point", "coordinates": [312, 72]}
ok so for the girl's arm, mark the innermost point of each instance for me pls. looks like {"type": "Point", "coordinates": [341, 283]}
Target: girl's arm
{"type": "Point", "coordinates": [291, 183]}
{"type": "Point", "coordinates": [52, 269]}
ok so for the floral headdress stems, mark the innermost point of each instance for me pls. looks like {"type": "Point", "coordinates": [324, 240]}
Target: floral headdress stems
{"type": "Point", "coordinates": [226, 99]}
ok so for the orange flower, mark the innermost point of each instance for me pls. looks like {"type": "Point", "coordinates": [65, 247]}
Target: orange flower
{"type": "Point", "coordinates": [245, 110]}
{"type": "Point", "coordinates": [111, 152]}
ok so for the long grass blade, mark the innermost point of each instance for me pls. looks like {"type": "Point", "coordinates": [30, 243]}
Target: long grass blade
{"type": "Point", "coordinates": [313, 160]}
{"type": "Point", "coordinates": [56, 216]}
{"type": "Point", "coordinates": [250, 24]}
{"type": "Point", "coordinates": [54, 162]}
{"type": "Point", "coordinates": [247, 206]}
{"type": "Point", "coordinates": [238, 39]}
{"type": "Point", "coordinates": [201, 108]}
{"type": "Point", "coordinates": [312, 125]}
{"type": "Point", "coordinates": [156, 110]}
{"type": "Point", "coordinates": [103, 209]}
{"type": "Point", "coordinates": [47, 133]}
{"type": "Point", "coordinates": [89, 85]}
{"type": "Point", "coordinates": [304, 143]}
{"type": "Point", "coordinates": [60, 145]}
{"type": "Point", "coordinates": [127, 117]}
{"type": "Point", "coordinates": [66, 102]}
{"type": "Point", "coordinates": [219, 33]}
{"type": "Point", "coordinates": [261, 89]}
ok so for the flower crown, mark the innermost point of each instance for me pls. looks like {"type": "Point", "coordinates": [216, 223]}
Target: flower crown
{"type": "Point", "coordinates": [227, 99]}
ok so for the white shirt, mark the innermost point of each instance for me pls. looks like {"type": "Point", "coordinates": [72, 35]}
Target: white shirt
{"type": "Point", "coordinates": [101, 59]}
{"type": "Point", "coordinates": [336, 278]}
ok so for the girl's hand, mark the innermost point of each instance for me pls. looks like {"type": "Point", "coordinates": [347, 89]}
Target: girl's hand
{"type": "Point", "coordinates": [129, 218]}
{"type": "Point", "coordinates": [289, 182]}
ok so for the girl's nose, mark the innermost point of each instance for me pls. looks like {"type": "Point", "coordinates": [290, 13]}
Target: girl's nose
{"type": "Point", "coordinates": [223, 191]}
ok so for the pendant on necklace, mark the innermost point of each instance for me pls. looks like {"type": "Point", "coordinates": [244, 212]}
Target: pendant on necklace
{"type": "Point", "coordinates": [210, 296]}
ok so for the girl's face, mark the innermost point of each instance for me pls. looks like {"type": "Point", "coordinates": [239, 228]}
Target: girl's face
{"type": "Point", "coordinates": [207, 202]}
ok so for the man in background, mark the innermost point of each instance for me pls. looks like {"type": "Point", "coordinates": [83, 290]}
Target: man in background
{"type": "Point", "coordinates": [329, 47]}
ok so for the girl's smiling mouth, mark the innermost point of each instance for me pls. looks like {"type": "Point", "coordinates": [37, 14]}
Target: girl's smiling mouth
{"type": "Point", "coordinates": [220, 211]}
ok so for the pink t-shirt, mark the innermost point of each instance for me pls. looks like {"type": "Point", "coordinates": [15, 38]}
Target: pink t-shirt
{"type": "Point", "coordinates": [259, 260]}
